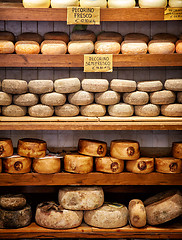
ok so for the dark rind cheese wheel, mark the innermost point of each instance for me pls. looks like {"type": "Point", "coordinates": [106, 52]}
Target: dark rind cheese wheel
{"type": "Point", "coordinates": [6, 147]}
{"type": "Point", "coordinates": [141, 165]}
{"type": "Point", "coordinates": [177, 149]}
{"type": "Point", "coordinates": [137, 213]}
{"type": "Point", "coordinates": [5, 35]}
{"type": "Point", "coordinates": [92, 147]}
{"type": "Point", "coordinates": [165, 36]}
{"type": "Point", "coordinates": [110, 36]}
{"type": "Point", "coordinates": [12, 201]}
{"type": "Point", "coordinates": [168, 165]}
{"type": "Point", "coordinates": [30, 36]}
{"type": "Point", "coordinates": [83, 35]}
{"type": "Point", "coordinates": [137, 36]}
{"type": "Point", "coordinates": [57, 36]}
{"type": "Point", "coordinates": [109, 165]}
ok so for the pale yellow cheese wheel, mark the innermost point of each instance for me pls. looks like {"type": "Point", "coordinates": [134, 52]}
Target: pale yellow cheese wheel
{"type": "Point", "coordinates": [173, 84]}
{"type": "Point", "coordinates": [27, 99]}
{"type": "Point", "coordinates": [179, 97]}
{"type": "Point", "coordinates": [6, 46]}
{"type": "Point", "coordinates": [93, 3]}
{"type": "Point", "coordinates": [137, 213]}
{"type": "Point", "coordinates": [81, 98]}
{"type": "Point", "coordinates": [177, 149]}
{"type": "Point", "coordinates": [165, 36]}
{"type": "Point", "coordinates": [14, 111]}
{"type": "Point", "coordinates": [67, 85]}
{"type": "Point", "coordinates": [137, 36]}
{"type": "Point", "coordinates": [95, 85]}
{"type": "Point", "coordinates": [121, 85]}
{"type": "Point", "coordinates": [148, 110]}
{"type": "Point", "coordinates": [162, 97]}
{"type": "Point", "coordinates": [36, 3]}
{"type": "Point", "coordinates": [6, 147]}
{"type": "Point", "coordinates": [108, 35]}
{"type": "Point", "coordinates": [53, 99]}
{"type": "Point", "coordinates": [107, 47]}
{"type": "Point", "coordinates": [109, 165]}
{"type": "Point", "coordinates": [107, 98]}
{"type": "Point", "coordinates": [149, 86]}
{"type": "Point", "coordinates": [141, 165]}
{"type": "Point", "coordinates": [172, 110]}
{"type": "Point", "coordinates": [64, 3]}
{"type": "Point", "coordinates": [92, 147]}
{"type": "Point", "coordinates": [62, 36]}
{"type": "Point", "coordinates": [152, 3]}
{"type": "Point", "coordinates": [41, 110]}
{"type": "Point", "coordinates": [136, 98]}
{"type": "Point", "coordinates": [40, 86]}
{"type": "Point", "coordinates": [6, 35]}
{"type": "Point", "coordinates": [133, 47]}
{"type": "Point", "coordinates": [14, 86]}
{"type": "Point", "coordinates": [53, 47]}
{"type": "Point", "coordinates": [27, 47]}
{"type": "Point", "coordinates": [93, 110]}
{"type": "Point", "coordinates": [67, 110]}
{"type": "Point", "coordinates": [168, 165]}
{"type": "Point", "coordinates": [80, 47]}
{"type": "Point", "coordinates": [121, 3]}
{"type": "Point", "coordinates": [179, 46]}
{"type": "Point", "coordinates": [79, 35]}
{"type": "Point", "coordinates": [161, 47]}
{"type": "Point", "coordinates": [30, 36]}
{"type": "Point", "coordinates": [121, 110]}
{"type": "Point", "coordinates": [175, 3]}
{"type": "Point", "coordinates": [5, 99]}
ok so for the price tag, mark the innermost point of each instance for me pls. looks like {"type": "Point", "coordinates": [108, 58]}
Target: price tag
{"type": "Point", "coordinates": [79, 15]}
{"type": "Point", "coordinates": [173, 14]}
{"type": "Point", "coordinates": [98, 63]}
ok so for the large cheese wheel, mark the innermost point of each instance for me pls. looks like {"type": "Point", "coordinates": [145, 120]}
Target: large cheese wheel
{"type": "Point", "coordinates": [149, 86]}
{"type": "Point", "coordinates": [51, 215]}
{"type": "Point", "coordinates": [137, 36]}
{"type": "Point", "coordinates": [67, 85]}
{"type": "Point", "coordinates": [168, 165]}
{"type": "Point", "coordinates": [141, 165]}
{"type": "Point", "coordinates": [40, 86]}
{"type": "Point", "coordinates": [14, 86]}
{"type": "Point", "coordinates": [172, 110]}
{"type": "Point", "coordinates": [57, 36]}
{"type": "Point", "coordinates": [30, 36]}
{"type": "Point", "coordinates": [12, 201]}
{"type": "Point", "coordinates": [53, 99]}
{"type": "Point", "coordinates": [108, 216]}
{"type": "Point", "coordinates": [53, 47]}
{"type": "Point", "coordinates": [125, 149]}
{"type": "Point", "coordinates": [179, 46]}
{"type": "Point", "coordinates": [148, 110]}
{"type": "Point", "coordinates": [162, 97]}
{"type": "Point", "coordinates": [6, 147]}
{"type": "Point", "coordinates": [177, 149]}
{"type": "Point", "coordinates": [81, 98]}
{"type": "Point", "coordinates": [64, 3]}
{"type": "Point", "coordinates": [175, 3]}
{"type": "Point", "coordinates": [41, 110]}
{"type": "Point", "coordinates": [81, 198]}
{"type": "Point", "coordinates": [107, 98]}
{"type": "Point", "coordinates": [136, 98]}
{"type": "Point", "coordinates": [95, 85]}
{"type": "Point", "coordinates": [161, 47]}
{"type": "Point", "coordinates": [109, 165]}
{"type": "Point", "coordinates": [5, 99]}
{"type": "Point", "coordinates": [93, 3]}
{"type": "Point", "coordinates": [121, 3]}
{"type": "Point", "coordinates": [14, 111]}
{"type": "Point", "coordinates": [77, 163]}
{"type": "Point", "coordinates": [137, 213]}
{"type": "Point", "coordinates": [67, 110]}
{"type": "Point", "coordinates": [173, 84]}
{"type": "Point", "coordinates": [36, 3]}
{"type": "Point", "coordinates": [27, 47]}
{"type": "Point", "coordinates": [121, 110]}
{"type": "Point", "coordinates": [133, 47]}
{"type": "Point", "coordinates": [92, 147]}
{"type": "Point", "coordinates": [6, 35]}
{"type": "Point", "coordinates": [80, 47]}
{"type": "Point", "coordinates": [33, 148]}
{"type": "Point", "coordinates": [117, 37]}
{"type": "Point", "coordinates": [165, 36]}
{"type": "Point", "coordinates": [93, 110]}
{"type": "Point", "coordinates": [120, 85]}
{"type": "Point", "coordinates": [179, 97]}
{"type": "Point", "coordinates": [107, 47]}
{"type": "Point", "coordinates": [152, 3]}
{"type": "Point", "coordinates": [163, 207]}
{"type": "Point", "coordinates": [79, 35]}
{"type": "Point", "coordinates": [6, 46]}
{"type": "Point", "coordinates": [27, 99]}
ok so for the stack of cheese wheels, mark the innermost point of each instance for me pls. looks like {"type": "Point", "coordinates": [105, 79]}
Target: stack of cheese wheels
{"type": "Point", "coordinates": [168, 165]}
{"type": "Point", "coordinates": [152, 3]}
{"type": "Point", "coordinates": [6, 147]}
{"type": "Point", "coordinates": [36, 3]}
{"type": "Point", "coordinates": [177, 150]}
{"type": "Point", "coordinates": [141, 165]}
{"type": "Point", "coordinates": [175, 3]}
{"type": "Point", "coordinates": [93, 3]}
{"type": "Point", "coordinates": [64, 3]}
{"type": "Point", "coordinates": [14, 211]}
{"type": "Point", "coordinates": [137, 213]}
{"type": "Point", "coordinates": [109, 164]}
{"type": "Point", "coordinates": [92, 147]}
{"type": "Point", "coordinates": [121, 3]}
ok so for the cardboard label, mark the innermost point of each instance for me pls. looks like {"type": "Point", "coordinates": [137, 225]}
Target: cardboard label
{"type": "Point", "coordinates": [98, 63]}
{"type": "Point", "coordinates": [173, 14]}
{"type": "Point", "coordinates": [79, 15]}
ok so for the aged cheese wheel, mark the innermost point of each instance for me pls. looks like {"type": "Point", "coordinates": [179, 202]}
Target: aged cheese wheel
{"type": "Point", "coordinates": [149, 86]}
{"type": "Point", "coordinates": [33, 148]}
{"type": "Point", "coordinates": [152, 3]}
{"type": "Point", "coordinates": [93, 3]}
{"type": "Point", "coordinates": [77, 163]}
{"type": "Point", "coordinates": [40, 86]}
{"type": "Point", "coordinates": [120, 85]}
{"type": "Point", "coordinates": [107, 98]}
{"type": "Point", "coordinates": [177, 149]}
{"type": "Point", "coordinates": [53, 47]}
{"type": "Point", "coordinates": [6, 147]}
{"type": "Point", "coordinates": [136, 98]}
{"type": "Point", "coordinates": [165, 36]}
{"type": "Point", "coordinates": [175, 3]}
{"type": "Point", "coordinates": [121, 110]}
{"type": "Point", "coordinates": [14, 111]}
{"type": "Point", "coordinates": [121, 3]}
{"type": "Point", "coordinates": [51, 215]}
{"type": "Point", "coordinates": [64, 3]}
{"type": "Point", "coordinates": [67, 110]}
{"type": "Point", "coordinates": [168, 165]}
{"type": "Point", "coordinates": [161, 47]}
{"type": "Point", "coordinates": [95, 85]}
{"type": "Point", "coordinates": [80, 47]}
{"type": "Point", "coordinates": [172, 110]}
{"type": "Point", "coordinates": [67, 85]}
{"type": "Point", "coordinates": [163, 207]}
{"type": "Point", "coordinates": [30, 36]}
{"type": "Point", "coordinates": [36, 3]}
{"type": "Point", "coordinates": [0, 165]}
{"type": "Point", "coordinates": [6, 35]}
{"type": "Point", "coordinates": [108, 216]}
{"type": "Point", "coordinates": [137, 36]}
{"type": "Point", "coordinates": [81, 98]}
{"type": "Point", "coordinates": [40, 110]}
{"type": "Point", "coordinates": [92, 147]}
{"type": "Point", "coordinates": [141, 165]}
{"type": "Point", "coordinates": [148, 110]}
{"type": "Point", "coordinates": [117, 37]}
{"type": "Point", "coordinates": [81, 198]}
{"type": "Point", "coordinates": [179, 46]}
{"type": "Point", "coordinates": [79, 35]}
{"type": "Point", "coordinates": [125, 149]}
{"type": "Point", "coordinates": [14, 86]}
{"type": "Point", "coordinates": [53, 99]}
{"type": "Point", "coordinates": [162, 97]}
{"type": "Point", "coordinates": [179, 97]}
{"type": "Point", "coordinates": [5, 99]}
{"type": "Point", "coordinates": [15, 219]}
{"type": "Point", "coordinates": [109, 165]}
{"type": "Point", "coordinates": [57, 36]}
{"type": "Point", "coordinates": [93, 110]}
{"type": "Point", "coordinates": [27, 47]}
{"type": "Point", "coordinates": [27, 99]}
{"type": "Point", "coordinates": [133, 47]}
{"type": "Point", "coordinates": [107, 47]}
{"type": "Point", "coordinates": [12, 201]}
{"type": "Point", "coordinates": [6, 46]}
{"type": "Point", "coordinates": [173, 84]}
{"type": "Point", "coordinates": [137, 213]}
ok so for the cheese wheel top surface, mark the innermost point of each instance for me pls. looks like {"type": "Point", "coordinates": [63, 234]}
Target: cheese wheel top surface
{"type": "Point", "coordinates": [57, 36]}
{"type": "Point", "coordinates": [6, 35]}
{"type": "Point", "coordinates": [83, 35]}
{"type": "Point", "coordinates": [137, 36]}
{"type": "Point", "coordinates": [110, 36]}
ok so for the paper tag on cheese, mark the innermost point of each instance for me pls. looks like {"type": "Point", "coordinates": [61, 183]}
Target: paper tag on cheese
{"type": "Point", "coordinates": [173, 14]}
{"type": "Point", "coordinates": [79, 15]}
{"type": "Point", "coordinates": [98, 63]}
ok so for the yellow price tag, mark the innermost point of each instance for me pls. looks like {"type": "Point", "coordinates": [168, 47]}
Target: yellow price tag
{"type": "Point", "coordinates": [173, 14]}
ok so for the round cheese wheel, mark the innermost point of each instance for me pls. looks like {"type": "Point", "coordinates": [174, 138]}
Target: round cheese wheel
{"type": "Point", "coordinates": [125, 149]}
{"type": "Point", "coordinates": [33, 148]}
{"type": "Point", "coordinates": [137, 213]}
{"type": "Point", "coordinates": [12, 201]}
{"type": "Point", "coordinates": [168, 165]}
{"type": "Point", "coordinates": [0, 165]}
{"type": "Point", "coordinates": [92, 147]}
{"type": "Point", "coordinates": [67, 85]}
{"type": "Point", "coordinates": [51, 215]}
{"type": "Point", "coordinates": [40, 86]}
{"type": "Point", "coordinates": [121, 4]}
{"type": "Point", "coordinates": [109, 165]}
{"type": "Point", "coordinates": [62, 36]}
{"type": "Point", "coordinates": [149, 86]}
{"type": "Point", "coordinates": [137, 36]}
{"type": "Point", "coordinates": [95, 85]}
{"type": "Point", "coordinates": [79, 35]}
{"type": "Point", "coordinates": [6, 147]}
{"type": "Point", "coordinates": [14, 111]}
{"type": "Point", "coordinates": [30, 36]}
{"type": "Point", "coordinates": [173, 84]}
{"type": "Point", "coordinates": [161, 47]}
{"type": "Point", "coordinates": [80, 47]}
{"type": "Point", "coordinates": [53, 99]}
{"type": "Point", "coordinates": [136, 98]}
{"type": "Point", "coordinates": [148, 110]}
{"type": "Point", "coordinates": [14, 86]}
{"type": "Point", "coordinates": [53, 47]}
{"type": "Point", "coordinates": [81, 98]}
{"type": "Point", "coordinates": [175, 3]}
{"type": "Point", "coordinates": [172, 110]}
{"type": "Point", "coordinates": [107, 98]}
{"type": "Point", "coordinates": [179, 46]}
{"type": "Point", "coordinates": [40, 110]}
{"type": "Point", "coordinates": [108, 216]}
{"type": "Point", "coordinates": [133, 47]}
{"type": "Point", "coordinates": [64, 3]}
{"type": "Point", "coordinates": [121, 110]}
{"type": "Point", "coordinates": [77, 163]}
{"type": "Point", "coordinates": [27, 47]}
{"type": "Point", "coordinates": [36, 3]}
{"type": "Point", "coordinates": [6, 35]}
{"type": "Point", "coordinates": [107, 47]}
{"type": "Point", "coordinates": [165, 36]}
{"type": "Point", "coordinates": [81, 198]}
{"type": "Point", "coordinates": [177, 149]}
{"type": "Point", "coordinates": [120, 85]}
{"type": "Point", "coordinates": [152, 3]}
{"type": "Point", "coordinates": [93, 3]}
{"type": "Point", "coordinates": [141, 165]}
{"type": "Point", "coordinates": [5, 99]}
{"type": "Point", "coordinates": [93, 110]}
{"type": "Point", "coordinates": [27, 99]}
{"type": "Point", "coordinates": [6, 46]}
{"type": "Point", "coordinates": [179, 97]}
{"type": "Point", "coordinates": [67, 110]}
{"type": "Point", "coordinates": [163, 207]}
{"type": "Point", "coordinates": [162, 97]}
{"type": "Point", "coordinates": [115, 36]}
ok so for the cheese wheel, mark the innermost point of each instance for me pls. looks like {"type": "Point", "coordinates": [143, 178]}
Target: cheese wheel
{"type": "Point", "coordinates": [162, 97]}
{"type": "Point", "coordinates": [173, 84]}
{"type": "Point", "coordinates": [107, 98]}
{"type": "Point", "coordinates": [121, 110]}
{"type": "Point", "coordinates": [27, 47]}
{"type": "Point", "coordinates": [33, 148]}
{"type": "Point", "coordinates": [30, 36]}
{"type": "Point", "coordinates": [137, 36]}
{"type": "Point", "coordinates": [152, 3]}
{"type": "Point", "coordinates": [125, 149]}
{"type": "Point", "coordinates": [136, 98]}
{"type": "Point", "coordinates": [14, 111]}
{"type": "Point", "coordinates": [93, 3]}
{"type": "Point", "coordinates": [163, 207]}
{"type": "Point", "coordinates": [12, 201]}
{"type": "Point", "coordinates": [115, 36]}
{"type": "Point", "coordinates": [81, 198]}
{"type": "Point", "coordinates": [53, 99]}
{"type": "Point", "coordinates": [92, 147]}
{"type": "Point", "coordinates": [40, 110]}
{"type": "Point", "coordinates": [95, 85]}
{"type": "Point", "coordinates": [149, 86]}
{"type": "Point", "coordinates": [120, 85]}
{"type": "Point", "coordinates": [5, 99]}
{"type": "Point", "coordinates": [14, 86]}
{"type": "Point", "coordinates": [53, 47]}
{"type": "Point", "coordinates": [51, 215]}
{"type": "Point", "coordinates": [107, 47]}
{"type": "Point", "coordinates": [172, 110]}
{"type": "Point", "coordinates": [179, 97]}
{"type": "Point", "coordinates": [108, 216]}
{"type": "Point", "coordinates": [133, 47]}
{"type": "Point", "coordinates": [62, 36]}
{"type": "Point", "coordinates": [64, 3]}
{"type": "Point", "coordinates": [93, 110]}
{"type": "Point", "coordinates": [161, 47]}
{"type": "Point", "coordinates": [148, 110]}
{"type": "Point", "coordinates": [0, 165]}
{"type": "Point", "coordinates": [6, 147]}
{"type": "Point", "coordinates": [77, 163]}
{"type": "Point", "coordinates": [165, 36]}
{"type": "Point", "coordinates": [40, 86]}
{"type": "Point", "coordinates": [109, 165]}
{"type": "Point", "coordinates": [6, 35]}
{"type": "Point", "coordinates": [121, 3]}
{"type": "Point", "coordinates": [79, 35]}
{"type": "Point", "coordinates": [17, 164]}
{"type": "Point", "coordinates": [80, 47]}
{"type": "Point", "coordinates": [67, 85]}
{"type": "Point", "coordinates": [175, 3]}
{"type": "Point", "coordinates": [137, 213]}
{"type": "Point", "coordinates": [177, 149]}
{"type": "Point", "coordinates": [6, 46]}
{"type": "Point", "coordinates": [36, 4]}
{"type": "Point", "coordinates": [27, 99]}
{"type": "Point", "coordinates": [179, 46]}
{"type": "Point", "coordinates": [81, 98]}
{"type": "Point", "coordinates": [67, 110]}
{"type": "Point", "coordinates": [168, 165]}
{"type": "Point", "coordinates": [141, 165]}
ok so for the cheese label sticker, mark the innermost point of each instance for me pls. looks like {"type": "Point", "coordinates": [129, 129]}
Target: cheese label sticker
{"type": "Point", "coordinates": [79, 15]}
{"type": "Point", "coordinates": [98, 63]}
{"type": "Point", "coordinates": [173, 14]}
{"type": "Point", "coordinates": [116, 205]}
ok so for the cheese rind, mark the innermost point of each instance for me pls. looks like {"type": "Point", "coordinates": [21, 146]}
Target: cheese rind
{"type": "Point", "coordinates": [27, 99]}
{"type": "Point", "coordinates": [137, 36]}
{"type": "Point", "coordinates": [14, 111]}
{"type": "Point", "coordinates": [141, 165]}
{"type": "Point", "coordinates": [165, 36]}
{"type": "Point", "coordinates": [12, 201]}
{"type": "Point", "coordinates": [92, 147]}
{"type": "Point", "coordinates": [136, 98]}
{"type": "Point", "coordinates": [5, 99]}
{"type": "Point", "coordinates": [6, 35]}
{"type": "Point", "coordinates": [95, 85]}
{"type": "Point", "coordinates": [81, 98]}
{"type": "Point", "coordinates": [93, 110]}
{"type": "Point", "coordinates": [6, 147]}
{"type": "Point", "coordinates": [161, 47]}
{"type": "Point", "coordinates": [121, 110]}
{"type": "Point", "coordinates": [137, 213]}
{"type": "Point", "coordinates": [62, 36]}
{"type": "Point", "coordinates": [40, 86]}
{"type": "Point", "coordinates": [36, 4]}
{"type": "Point", "coordinates": [109, 165]}
{"type": "Point", "coordinates": [107, 98]}
{"type": "Point", "coordinates": [67, 110]}
{"type": "Point", "coordinates": [120, 85]}
{"type": "Point", "coordinates": [6, 46]}
{"type": "Point", "coordinates": [149, 86]}
{"type": "Point", "coordinates": [168, 165]}
{"type": "Point", "coordinates": [173, 84]}
{"type": "Point", "coordinates": [14, 86]}
{"type": "Point", "coordinates": [80, 35]}
{"type": "Point", "coordinates": [80, 47]}
{"type": "Point", "coordinates": [177, 149]}
{"type": "Point", "coordinates": [27, 47]}
{"type": "Point", "coordinates": [53, 99]}
{"type": "Point", "coordinates": [30, 36]}
{"type": "Point", "coordinates": [172, 110]}
{"type": "Point", "coordinates": [41, 110]}
{"type": "Point", "coordinates": [133, 47]}
{"type": "Point", "coordinates": [162, 97]}
{"type": "Point", "coordinates": [67, 85]}
{"type": "Point", "coordinates": [148, 110]}
{"type": "Point", "coordinates": [107, 47]}
{"type": "Point", "coordinates": [115, 36]}
{"type": "Point", "coordinates": [53, 47]}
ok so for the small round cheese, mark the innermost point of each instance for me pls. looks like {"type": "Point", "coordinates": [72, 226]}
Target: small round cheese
{"type": "Point", "coordinates": [79, 35]}
{"type": "Point", "coordinates": [137, 213]}
{"type": "Point", "coordinates": [67, 85]}
{"type": "Point", "coordinates": [5, 99]}
{"type": "Point", "coordinates": [81, 98]}
{"type": "Point", "coordinates": [179, 46]}
{"type": "Point", "coordinates": [30, 36]}
{"type": "Point", "coordinates": [149, 86]}
{"type": "Point", "coordinates": [64, 3]}
{"type": "Point", "coordinates": [161, 47]}
{"type": "Point", "coordinates": [93, 110]}
{"type": "Point", "coordinates": [14, 111]}
{"type": "Point", "coordinates": [165, 36]}
{"type": "Point", "coordinates": [141, 165]}
{"type": "Point", "coordinates": [148, 110]}
{"type": "Point", "coordinates": [27, 99]}
{"type": "Point", "coordinates": [162, 97]}
{"type": "Point", "coordinates": [6, 46]}
{"type": "Point", "coordinates": [107, 47]}
{"type": "Point", "coordinates": [40, 110]}
{"type": "Point", "coordinates": [121, 3]}
{"type": "Point", "coordinates": [115, 36]}
{"type": "Point", "coordinates": [40, 86]}
{"type": "Point", "coordinates": [92, 147]}
{"type": "Point", "coordinates": [27, 47]}
{"type": "Point", "coordinates": [177, 149]}
{"type": "Point", "coordinates": [93, 3]}
{"type": "Point", "coordinates": [14, 86]}
{"type": "Point", "coordinates": [137, 36]}
{"type": "Point", "coordinates": [136, 98]}
{"type": "Point", "coordinates": [53, 47]}
{"type": "Point", "coordinates": [6, 147]}
{"type": "Point", "coordinates": [168, 165]}
{"type": "Point", "coordinates": [62, 36]}
{"type": "Point", "coordinates": [67, 110]}
{"type": "Point", "coordinates": [120, 85]}
{"type": "Point", "coordinates": [109, 165]}
{"type": "Point", "coordinates": [107, 98]}
{"type": "Point", "coordinates": [12, 201]}
{"type": "Point", "coordinates": [95, 85]}
{"type": "Point", "coordinates": [175, 3]}
{"type": "Point", "coordinates": [80, 47]}
{"type": "Point", "coordinates": [53, 99]}
{"type": "Point", "coordinates": [173, 84]}
{"type": "Point", "coordinates": [6, 35]}
{"type": "Point", "coordinates": [152, 3]}
{"type": "Point", "coordinates": [172, 110]}
{"type": "Point", "coordinates": [179, 97]}
{"type": "Point", "coordinates": [36, 3]}
{"type": "Point", "coordinates": [121, 110]}
{"type": "Point", "coordinates": [133, 47]}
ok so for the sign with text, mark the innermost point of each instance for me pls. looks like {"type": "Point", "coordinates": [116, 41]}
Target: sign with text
{"type": "Point", "coordinates": [98, 63]}
{"type": "Point", "coordinates": [173, 14]}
